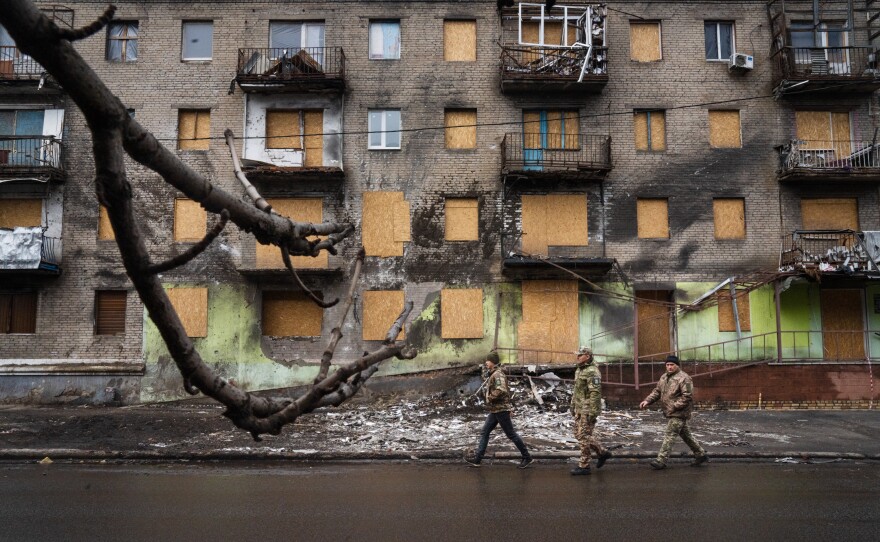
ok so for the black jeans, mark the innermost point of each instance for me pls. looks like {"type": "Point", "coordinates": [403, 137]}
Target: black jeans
{"type": "Point", "coordinates": [492, 421]}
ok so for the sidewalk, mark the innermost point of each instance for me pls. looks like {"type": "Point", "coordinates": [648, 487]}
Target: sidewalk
{"type": "Point", "coordinates": [437, 427]}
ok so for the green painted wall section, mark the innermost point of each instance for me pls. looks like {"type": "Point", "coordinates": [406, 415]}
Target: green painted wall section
{"type": "Point", "coordinates": [873, 321]}
{"type": "Point", "coordinates": [606, 323]}
{"type": "Point", "coordinates": [801, 321]}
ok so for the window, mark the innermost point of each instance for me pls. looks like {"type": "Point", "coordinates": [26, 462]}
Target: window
{"type": "Point", "coordinates": [652, 216]}
{"type": "Point", "coordinates": [826, 136]}
{"type": "Point", "coordinates": [554, 219]}
{"type": "Point", "coordinates": [190, 220]}
{"type": "Point", "coordinates": [830, 214]}
{"type": "Point", "coordinates": [549, 129]}
{"type": "Point", "coordinates": [110, 312]}
{"type": "Point", "coordinates": [105, 229]}
{"type": "Point", "coordinates": [18, 312]}
{"type": "Point", "coordinates": [384, 126]}
{"type": "Point", "coordinates": [384, 40]}
{"type": "Point", "coordinates": [719, 40]}
{"type": "Point", "coordinates": [198, 39]}
{"type": "Point", "coordinates": [726, 320]}
{"type": "Point", "coordinates": [291, 37]}
{"type": "Point", "coordinates": [290, 314]}
{"type": "Point", "coordinates": [461, 313]}
{"type": "Point", "coordinates": [380, 309]}
{"type": "Point", "coordinates": [462, 219]}
{"type": "Point", "coordinates": [122, 41]}
{"type": "Point", "coordinates": [724, 130]}
{"type": "Point", "coordinates": [193, 129]}
{"type": "Point", "coordinates": [730, 218]}
{"type": "Point", "coordinates": [464, 137]}
{"type": "Point", "coordinates": [298, 130]}
{"type": "Point", "coordinates": [23, 212]}
{"type": "Point", "coordinates": [459, 41]}
{"type": "Point", "coordinates": [23, 151]}
{"type": "Point", "coordinates": [191, 305]}
{"type": "Point", "coordinates": [650, 130]}
{"type": "Point", "coordinates": [302, 210]}
{"type": "Point", "coordinates": [550, 320]}
{"type": "Point", "coordinates": [644, 41]}
{"type": "Point", "coordinates": [385, 223]}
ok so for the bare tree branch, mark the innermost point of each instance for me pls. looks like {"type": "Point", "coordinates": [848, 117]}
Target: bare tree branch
{"type": "Point", "coordinates": [86, 31]}
{"type": "Point", "coordinates": [317, 300]}
{"type": "Point", "coordinates": [336, 334]}
{"type": "Point", "coordinates": [258, 200]}
{"type": "Point", "coordinates": [194, 250]}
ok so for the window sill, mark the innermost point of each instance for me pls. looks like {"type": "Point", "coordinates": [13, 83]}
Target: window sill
{"type": "Point", "coordinates": [385, 59]}
{"type": "Point", "coordinates": [463, 151]}
{"type": "Point", "coordinates": [193, 151]}
{"type": "Point", "coordinates": [196, 60]}
{"type": "Point", "coordinates": [655, 239]}
{"type": "Point", "coordinates": [383, 148]}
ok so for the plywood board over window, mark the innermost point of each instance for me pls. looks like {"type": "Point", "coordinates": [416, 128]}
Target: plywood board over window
{"type": "Point", "coordinates": [313, 123]}
{"type": "Point", "coordinates": [191, 305]}
{"type": "Point", "coordinates": [284, 129]}
{"type": "Point", "coordinates": [21, 213]}
{"type": "Point", "coordinates": [385, 223]}
{"type": "Point", "coordinates": [644, 41]}
{"type": "Point", "coordinates": [190, 220]}
{"type": "Point", "coordinates": [730, 218]}
{"type": "Point", "coordinates": [830, 214]}
{"type": "Point", "coordinates": [193, 129]}
{"type": "Point", "coordinates": [553, 220]}
{"type": "Point", "coordinates": [726, 321]}
{"type": "Point", "coordinates": [652, 215]}
{"type": "Point", "coordinates": [301, 210]}
{"type": "Point", "coordinates": [381, 308]}
{"type": "Point", "coordinates": [105, 229]}
{"type": "Point", "coordinates": [459, 41]}
{"type": "Point", "coordinates": [462, 219]}
{"type": "Point", "coordinates": [824, 130]}
{"type": "Point", "coordinates": [724, 130]}
{"type": "Point", "coordinates": [649, 129]}
{"type": "Point", "coordinates": [461, 128]}
{"type": "Point", "coordinates": [290, 314]}
{"type": "Point", "coordinates": [550, 320]}
{"type": "Point", "coordinates": [461, 313]}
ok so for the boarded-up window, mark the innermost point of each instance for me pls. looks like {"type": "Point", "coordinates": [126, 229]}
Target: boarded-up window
{"type": "Point", "coordinates": [549, 320]}
{"type": "Point", "coordinates": [551, 129]}
{"type": "Point", "coordinates": [461, 313]}
{"type": "Point", "coordinates": [459, 41]}
{"type": "Point", "coordinates": [105, 230]}
{"type": "Point", "coordinates": [301, 210]}
{"type": "Point", "coordinates": [730, 218]}
{"type": "Point", "coordinates": [284, 129]}
{"type": "Point", "coordinates": [724, 130]}
{"type": "Point", "coordinates": [461, 128]}
{"type": "Point", "coordinates": [21, 213]}
{"type": "Point", "coordinates": [652, 215]}
{"type": "Point", "coordinates": [553, 220]}
{"type": "Point", "coordinates": [644, 41]}
{"type": "Point", "coordinates": [531, 32]}
{"type": "Point", "coordinates": [830, 214]}
{"type": "Point", "coordinates": [110, 312]}
{"type": "Point", "coordinates": [385, 223]}
{"type": "Point", "coordinates": [381, 309]}
{"type": "Point", "coordinates": [462, 219]}
{"type": "Point", "coordinates": [18, 312]}
{"type": "Point", "coordinates": [649, 128]}
{"type": "Point", "coordinates": [193, 129]}
{"type": "Point", "coordinates": [824, 132]}
{"type": "Point", "coordinates": [290, 314]}
{"type": "Point", "coordinates": [726, 321]}
{"type": "Point", "coordinates": [191, 305]}
{"type": "Point", "coordinates": [190, 220]}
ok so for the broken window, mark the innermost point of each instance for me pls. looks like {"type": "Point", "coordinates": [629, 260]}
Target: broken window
{"type": "Point", "coordinates": [297, 129]}
{"type": "Point", "coordinates": [287, 38]}
{"type": "Point", "coordinates": [122, 41]}
{"type": "Point", "coordinates": [198, 37]}
{"type": "Point", "coordinates": [21, 213]}
{"type": "Point", "coordinates": [726, 319]}
{"type": "Point", "coordinates": [385, 223]}
{"type": "Point", "coordinates": [719, 40]}
{"type": "Point", "coordinates": [105, 229]}
{"type": "Point", "coordinates": [730, 218]}
{"type": "Point", "coordinates": [461, 128]}
{"type": "Point", "coordinates": [191, 305]}
{"type": "Point", "coordinates": [380, 309]}
{"type": "Point", "coordinates": [290, 314]}
{"type": "Point", "coordinates": [193, 129]}
{"type": "Point", "coordinates": [649, 128]}
{"type": "Point", "coordinates": [724, 130]}
{"type": "Point", "coordinates": [644, 41]}
{"type": "Point", "coordinates": [110, 312]}
{"type": "Point", "coordinates": [302, 210]}
{"type": "Point", "coordinates": [462, 219]}
{"type": "Point", "coordinates": [652, 215]}
{"type": "Point", "coordinates": [459, 41]}
{"type": "Point", "coordinates": [190, 220]}
{"type": "Point", "coordinates": [18, 312]}
{"type": "Point", "coordinates": [461, 313]}
{"type": "Point", "coordinates": [384, 40]}
{"type": "Point", "coordinates": [384, 128]}
{"type": "Point", "coordinates": [550, 129]}
{"type": "Point", "coordinates": [553, 220]}
{"type": "Point", "coordinates": [830, 214]}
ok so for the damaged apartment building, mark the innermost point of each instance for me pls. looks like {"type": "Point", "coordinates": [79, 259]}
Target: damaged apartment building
{"type": "Point", "coordinates": [642, 177]}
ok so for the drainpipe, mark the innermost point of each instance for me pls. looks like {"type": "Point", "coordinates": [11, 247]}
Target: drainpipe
{"type": "Point", "coordinates": [776, 291]}
{"type": "Point", "coordinates": [735, 309]}
{"type": "Point", "coordinates": [636, 344]}
{"type": "Point", "coordinates": [497, 318]}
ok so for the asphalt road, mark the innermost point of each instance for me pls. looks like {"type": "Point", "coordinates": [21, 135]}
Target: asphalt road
{"type": "Point", "coordinates": [417, 501]}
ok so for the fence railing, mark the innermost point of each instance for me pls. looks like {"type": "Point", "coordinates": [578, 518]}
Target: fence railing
{"type": "Point", "coordinates": [50, 251]}
{"type": "Point", "coordinates": [548, 63]}
{"type": "Point", "coordinates": [16, 65]}
{"type": "Point", "coordinates": [30, 151]}
{"type": "Point", "coordinates": [847, 155]}
{"type": "Point", "coordinates": [291, 64]}
{"type": "Point", "coordinates": [549, 151]}
{"type": "Point", "coordinates": [826, 62]}
{"type": "Point", "coordinates": [830, 250]}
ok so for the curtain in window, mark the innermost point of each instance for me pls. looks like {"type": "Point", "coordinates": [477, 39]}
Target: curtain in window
{"type": "Point", "coordinates": [285, 36]}
{"type": "Point", "coordinates": [385, 40]}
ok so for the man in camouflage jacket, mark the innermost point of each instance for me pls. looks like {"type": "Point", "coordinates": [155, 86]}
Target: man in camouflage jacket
{"type": "Point", "coordinates": [675, 392]}
{"type": "Point", "coordinates": [586, 404]}
{"type": "Point", "coordinates": [499, 407]}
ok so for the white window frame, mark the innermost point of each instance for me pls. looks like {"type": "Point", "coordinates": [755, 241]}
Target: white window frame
{"type": "Point", "coordinates": [718, 38]}
{"type": "Point", "coordinates": [383, 133]}
{"type": "Point", "coordinates": [183, 56]}
{"type": "Point", "coordinates": [578, 13]}
{"type": "Point", "coordinates": [370, 39]}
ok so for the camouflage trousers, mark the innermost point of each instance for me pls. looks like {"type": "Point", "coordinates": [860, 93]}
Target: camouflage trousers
{"type": "Point", "coordinates": [583, 432]}
{"type": "Point", "coordinates": [677, 427]}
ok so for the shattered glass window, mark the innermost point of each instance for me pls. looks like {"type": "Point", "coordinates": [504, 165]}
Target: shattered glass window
{"type": "Point", "coordinates": [122, 43]}
{"type": "Point", "coordinates": [719, 40]}
{"type": "Point", "coordinates": [198, 39]}
{"type": "Point", "coordinates": [384, 40]}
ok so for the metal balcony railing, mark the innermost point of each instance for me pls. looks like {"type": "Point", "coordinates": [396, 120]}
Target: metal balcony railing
{"type": "Point", "coordinates": [274, 65]}
{"type": "Point", "coordinates": [826, 62]}
{"type": "Point", "coordinates": [16, 65]}
{"type": "Point", "coordinates": [553, 63]}
{"type": "Point", "coordinates": [827, 250]}
{"type": "Point", "coordinates": [30, 152]}
{"type": "Point", "coordinates": [556, 152]}
{"type": "Point", "coordinates": [50, 251]}
{"type": "Point", "coordinates": [854, 156]}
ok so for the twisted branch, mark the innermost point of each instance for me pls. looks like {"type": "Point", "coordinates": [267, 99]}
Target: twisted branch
{"type": "Point", "coordinates": [86, 31]}
{"type": "Point", "coordinates": [194, 250]}
{"type": "Point", "coordinates": [285, 255]}
{"type": "Point", "coordinates": [336, 334]}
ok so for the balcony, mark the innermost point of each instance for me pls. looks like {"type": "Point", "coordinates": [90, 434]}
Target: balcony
{"type": "Point", "coordinates": [23, 157]}
{"type": "Point", "coordinates": [815, 160]}
{"type": "Point", "coordinates": [844, 70]}
{"type": "Point", "coordinates": [556, 262]}
{"type": "Point", "coordinates": [843, 252]}
{"type": "Point", "coordinates": [311, 69]}
{"type": "Point", "coordinates": [29, 251]}
{"type": "Point", "coordinates": [553, 70]}
{"type": "Point", "coordinates": [556, 156]}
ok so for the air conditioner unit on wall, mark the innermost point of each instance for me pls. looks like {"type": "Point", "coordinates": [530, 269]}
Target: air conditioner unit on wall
{"type": "Point", "coordinates": [741, 62]}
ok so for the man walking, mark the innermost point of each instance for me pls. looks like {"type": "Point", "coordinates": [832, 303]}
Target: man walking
{"type": "Point", "coordinates": [586, 404]}
{"type": "Point", "coordinates": [675, 392]}
{"type": "Point", "coordinates": [498, 404]}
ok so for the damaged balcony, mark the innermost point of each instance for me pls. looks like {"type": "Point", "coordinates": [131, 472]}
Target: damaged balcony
{"type": "Point", "coordinates": [522, 261]}
{"type": "Point", "coordinates": [28, 157]}
{"type": "Point", "coordinates": [831, 252]}
{"type": "Point", "coordinates": [17, 68]}
{"type": "Point", "coordinates": [556, 156]}
{"type": "Point", "coordinates": [29, 251]}
{"type": "Point", "coordinates": [308, 69]}
{"type": "Point", "coordinates": [811, 160]}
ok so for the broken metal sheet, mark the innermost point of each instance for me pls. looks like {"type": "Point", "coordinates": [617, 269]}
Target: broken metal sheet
{"type": "Point", "coordinates": [20, 248]}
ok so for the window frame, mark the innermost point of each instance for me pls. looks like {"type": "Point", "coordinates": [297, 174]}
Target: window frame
{"type": "Point", "coordinates": [124, 295]}
{"type": "Point", "coordinates": [717, 24]}
{"type": "Point", "coordinates": [183, 40]}
{"type": "Point", "coordinates": [370, 39]}
{"type": "Point", "coordinates": [195, 139]}
{"type": "Point", "coordinates": [648, 113]}
{"type": "Point", "coordinates": [127, 25]}
{"type": "Point", "coordinates": [383, 133]}
{"type": "Point", "coordinates": [11, 294]}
